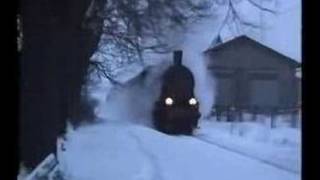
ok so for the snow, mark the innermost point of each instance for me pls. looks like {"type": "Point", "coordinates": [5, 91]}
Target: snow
{"type": "Point", "coordinates": [46, 169]}
{"type": "Point", "coordinates": [285, 33]}
{"type": "Point", "coordinates": [280, 31]}
{"type": "Point", "coordinates": [114, 150]}
{"type": "Point", "coordinates": [23, 172]}
{"type": "Point", "coordinates": [197, 40]}
{"type": "Point", "coordinates": [132, 102]}
{"type": "Point", "coordinates": [124, 145]}
{"type": "Point", "coordinates": [280, 146]}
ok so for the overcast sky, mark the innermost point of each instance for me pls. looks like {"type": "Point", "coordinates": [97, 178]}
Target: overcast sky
{"type": "Point", "coordinates": [282, 32]}
{"type": "Point", "coordinates": [285, 34]}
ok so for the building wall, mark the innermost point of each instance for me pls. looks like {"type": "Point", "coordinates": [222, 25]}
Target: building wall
{"type": "Point", "coordinates": [247, 75]}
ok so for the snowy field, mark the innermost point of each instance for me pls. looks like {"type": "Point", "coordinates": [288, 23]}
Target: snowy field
{"type": "Point", "coordinates": [133, 152]}
{"type": "Point", "coordinates": [279, 147]}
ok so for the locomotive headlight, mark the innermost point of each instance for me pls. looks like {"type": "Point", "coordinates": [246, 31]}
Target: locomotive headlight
{"type": "Point", "coordinates": [192, 101]}
{"type": "Point", "coordinates": [168, 101]}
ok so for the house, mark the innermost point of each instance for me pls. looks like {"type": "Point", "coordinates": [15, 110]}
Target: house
{"type": "Point", "coordinates": [252, 77]}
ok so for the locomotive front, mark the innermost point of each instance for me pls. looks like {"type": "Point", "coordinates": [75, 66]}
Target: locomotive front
{"type": "Point", "coordinates": [177, 109]}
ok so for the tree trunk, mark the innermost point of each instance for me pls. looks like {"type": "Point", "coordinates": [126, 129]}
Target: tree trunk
{"type": "Point", "coordinates": [54, 61]}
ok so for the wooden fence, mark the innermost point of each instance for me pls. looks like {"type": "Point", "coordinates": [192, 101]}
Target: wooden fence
{"type": "Point", "coordinates": [232, 114]}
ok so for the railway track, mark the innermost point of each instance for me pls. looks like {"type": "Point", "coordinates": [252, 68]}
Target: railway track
{"type": "Point", "coordinates": [246, 155]}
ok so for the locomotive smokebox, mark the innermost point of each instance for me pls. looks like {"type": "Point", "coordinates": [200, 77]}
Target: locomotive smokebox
{"type": "Point", "coordinates": [177, 109]}
{"type": "Point", "coordinates": [177, 57]}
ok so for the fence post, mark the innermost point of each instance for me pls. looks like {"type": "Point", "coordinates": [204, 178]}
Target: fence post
{"type": "Point", "coordinates": [240, 114]}
{"type": "Point", "coordinates": [299, 117]}
{"type": "Point", "coordinates": [272, 114]}
{"type": "Point", "coordinates": [231, 113]}
{"type": "Point", "coordinates": [212, 112]}
{"type": "Point", "coordinates": [254, 114]}
{"type": "Point", "coordinates": [218, 113]}
{"type": "Point", "coordinates": [228, 113]}
{"type": "Point", "coordinates": [294, 118]}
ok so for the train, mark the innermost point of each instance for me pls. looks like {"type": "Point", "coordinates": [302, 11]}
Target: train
{"type": "Point", "coordinates": [176, 111]}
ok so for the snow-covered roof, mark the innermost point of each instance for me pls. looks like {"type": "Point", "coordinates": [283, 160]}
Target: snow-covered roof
{"type": "Point", "coordinates": [243, 39]}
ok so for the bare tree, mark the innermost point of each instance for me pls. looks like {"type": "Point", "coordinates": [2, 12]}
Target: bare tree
{"type": "Point", "coordinates": [234, 19]}
{"type": "Point", "coordinates": [132, 27]}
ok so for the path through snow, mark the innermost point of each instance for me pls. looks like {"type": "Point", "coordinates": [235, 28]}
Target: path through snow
{"type": "Point", "coordinates": [125, 151]}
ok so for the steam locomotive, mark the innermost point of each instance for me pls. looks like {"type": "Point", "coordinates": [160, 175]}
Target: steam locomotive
{"type": "Point", "coordinates": [177, 110]}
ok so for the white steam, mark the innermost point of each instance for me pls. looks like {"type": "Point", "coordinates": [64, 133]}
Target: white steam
{"type": "Point", "coordinates": [197, 40]}
{"type": "Point", "coordinates": [135, 101]}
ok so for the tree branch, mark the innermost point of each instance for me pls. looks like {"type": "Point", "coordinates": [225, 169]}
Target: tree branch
{"type": "Point", "coordinates": [259, 6]}
{"type": "Point", "coordinates": [100, 68]}
{"type": "Point", "coordinates": [237, 16]}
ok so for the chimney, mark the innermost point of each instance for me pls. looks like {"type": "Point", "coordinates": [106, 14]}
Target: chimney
{"type": "Point", "coordinates": [177, 57]}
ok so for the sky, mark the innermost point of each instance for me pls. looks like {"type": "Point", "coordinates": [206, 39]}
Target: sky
{"type": "Point", "coordinates": [285, 35]}
{"type": "Point", "coordinates": [281, 31]}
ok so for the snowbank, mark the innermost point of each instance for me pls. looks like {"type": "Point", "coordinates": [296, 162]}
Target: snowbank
{"type": "Point", "coordinates": [132, 152]}
{"type": "Point", "coordinates": [278, 146]}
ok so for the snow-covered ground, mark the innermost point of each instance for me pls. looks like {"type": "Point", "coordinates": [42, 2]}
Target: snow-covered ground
{"type": "Point", "coordinates": [123, 147]}
{"type": "Point", "coordinates": [115, 150]}
{"type": "Point", "coordinates": [279, 147]}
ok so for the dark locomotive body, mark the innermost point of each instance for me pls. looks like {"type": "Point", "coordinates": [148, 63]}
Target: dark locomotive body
{"type": "Point", "coordinates": [177, 110]}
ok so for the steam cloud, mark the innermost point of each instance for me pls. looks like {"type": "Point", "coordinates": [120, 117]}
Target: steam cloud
{"type": "Point", "coordinates": [134, 102]}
